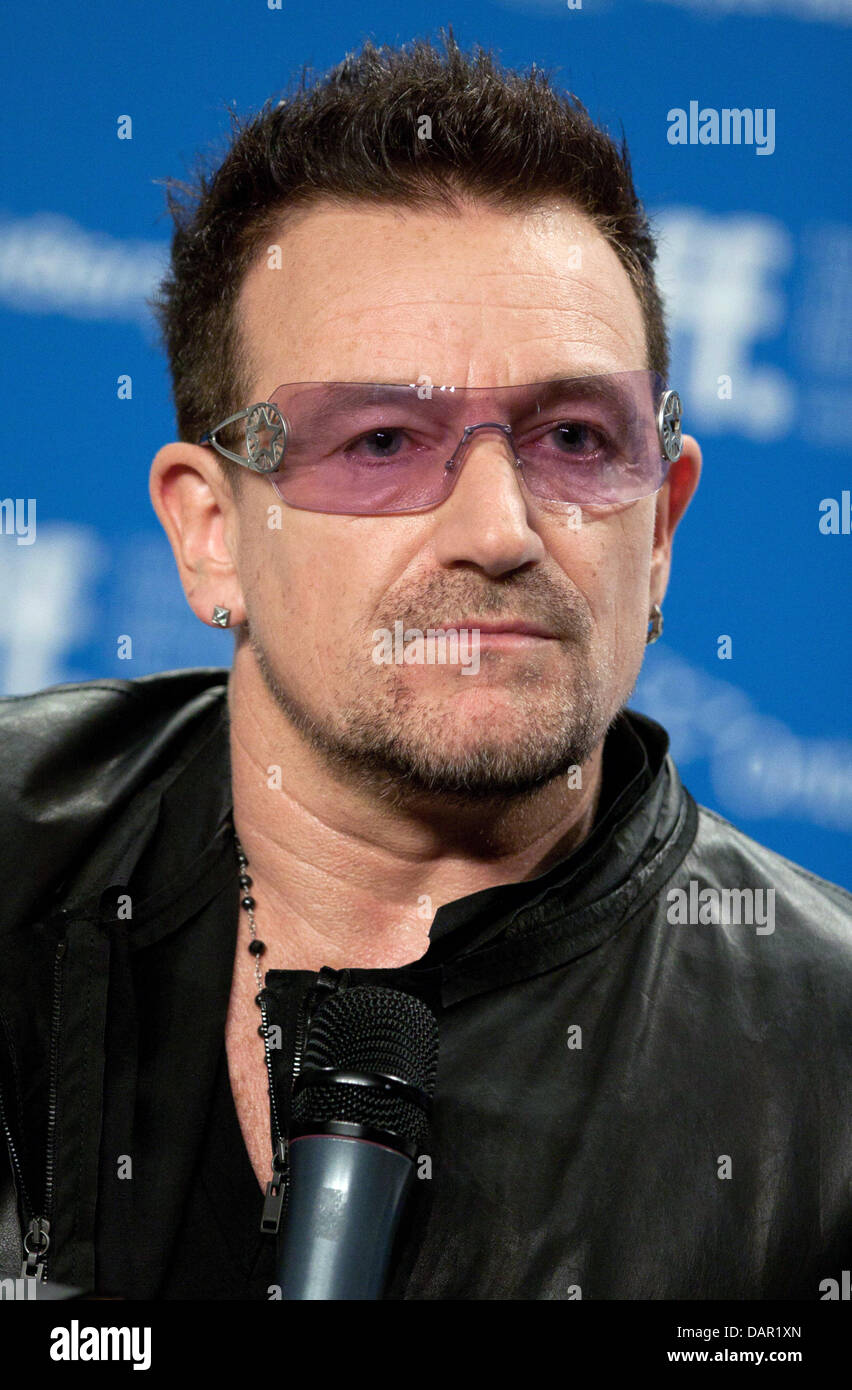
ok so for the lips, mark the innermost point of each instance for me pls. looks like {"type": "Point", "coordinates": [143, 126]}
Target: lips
{"type": "Point", "coordinates": [519, 627]}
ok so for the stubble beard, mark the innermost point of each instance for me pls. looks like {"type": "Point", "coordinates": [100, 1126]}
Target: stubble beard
{"type": "Point", "coordinates": [399, 746]}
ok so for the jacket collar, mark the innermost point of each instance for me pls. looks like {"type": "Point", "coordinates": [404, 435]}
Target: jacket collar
{"type": "Point", "coordinates": [171, 846]}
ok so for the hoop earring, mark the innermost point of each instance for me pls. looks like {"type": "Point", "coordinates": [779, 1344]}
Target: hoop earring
{"type": "Point", "coordinates": [221, 616]}
{"type": "Point", "coordinates": [656, 628]}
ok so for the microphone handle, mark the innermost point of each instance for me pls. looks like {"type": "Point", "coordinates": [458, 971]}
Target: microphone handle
{"type": "Point", "coordinates": [346, 1198]}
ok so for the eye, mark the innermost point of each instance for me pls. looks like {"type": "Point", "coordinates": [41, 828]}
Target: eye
{"type": "Point", "coordinates": [379, 444]}
{"type": "Point", "coordinates": [573, 436]}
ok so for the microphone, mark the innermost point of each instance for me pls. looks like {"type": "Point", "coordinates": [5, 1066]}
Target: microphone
{"type": "Point", "coordinates": [360, 1109]}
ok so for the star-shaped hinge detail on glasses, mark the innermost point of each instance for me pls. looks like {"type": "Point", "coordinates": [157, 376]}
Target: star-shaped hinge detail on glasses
{"type": "Point", "coordinates": [671, 426]}
{"type": "Point", "coordinates": [265, 436]}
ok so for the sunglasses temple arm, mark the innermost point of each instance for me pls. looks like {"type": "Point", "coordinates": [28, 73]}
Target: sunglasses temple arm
{"type": "Point", "coordinates": [209, 436]}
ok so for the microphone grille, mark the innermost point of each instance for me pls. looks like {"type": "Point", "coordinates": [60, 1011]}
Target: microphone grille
{"type": "Point", "coordinates": [371, 1028]}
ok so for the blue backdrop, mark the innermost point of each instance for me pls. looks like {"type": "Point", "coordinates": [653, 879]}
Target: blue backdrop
{"type": "Point", "coordinates": [756, 266]}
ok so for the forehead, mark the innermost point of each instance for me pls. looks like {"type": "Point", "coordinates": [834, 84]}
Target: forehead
{"type": "Point", "coordinates": [483, 297]}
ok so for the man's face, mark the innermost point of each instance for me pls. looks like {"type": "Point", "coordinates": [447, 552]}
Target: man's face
{"type": "Point", "coordinates": [488, 298]}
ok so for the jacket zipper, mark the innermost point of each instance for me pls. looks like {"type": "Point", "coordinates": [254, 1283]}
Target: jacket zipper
{"type": "Point", "coordinates": [37, 1236]}
{"type": "Point", "coordinates": [278, 1189]}
{"type": "Point", "coordinates": [52, 1095]}
{"type": "Point", "coordinates": [301, 1033]}
{"type": "Point", "coordinates": [20, 1184]}
{"type": "Point", "coordinates": [326, 982]}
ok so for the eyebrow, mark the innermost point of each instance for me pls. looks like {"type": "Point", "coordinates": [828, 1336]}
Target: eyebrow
{"type": "Point", "coordinates": [597, 385]}
{"type": "Point", "coordinates": [351, 394]}
{"type": "Point", "coordinates": [598, 388]}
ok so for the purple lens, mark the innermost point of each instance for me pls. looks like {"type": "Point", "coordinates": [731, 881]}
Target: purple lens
{"type": "Point", "coordinates": [596, 440]}
{"type": "Point", "coordinates": [374, 449]}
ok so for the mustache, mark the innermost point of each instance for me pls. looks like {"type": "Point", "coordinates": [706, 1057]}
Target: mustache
{"type": "Point", "coordinates": [531, 598]}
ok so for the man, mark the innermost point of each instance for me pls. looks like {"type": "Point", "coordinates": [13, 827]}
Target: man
{"type": "Point", "coordinates": [641, 1093]}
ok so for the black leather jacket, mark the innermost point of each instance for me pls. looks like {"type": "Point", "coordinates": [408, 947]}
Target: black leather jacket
{"type": "Point", "coordinates": [629, 1105]}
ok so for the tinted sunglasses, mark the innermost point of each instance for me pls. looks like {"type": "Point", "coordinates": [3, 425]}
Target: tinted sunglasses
{"type": "Point", "coordinates": [365, 448]}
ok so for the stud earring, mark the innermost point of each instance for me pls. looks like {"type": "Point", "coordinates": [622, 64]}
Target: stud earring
{"type": "Point", "coordinates": [221, 616]}
{"type": "Point", "coordinates": [656, 628]}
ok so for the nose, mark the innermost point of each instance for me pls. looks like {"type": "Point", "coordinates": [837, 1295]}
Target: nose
{"type": "Point", "coordinates": [485, 521]}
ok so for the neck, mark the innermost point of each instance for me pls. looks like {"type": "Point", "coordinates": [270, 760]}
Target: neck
{"type": "Point", "coordinates": [346, 874]}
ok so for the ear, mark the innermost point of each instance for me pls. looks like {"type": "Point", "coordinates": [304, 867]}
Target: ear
{"type": "Point", "coordinates": [672, 501]}
{"type": "Point", "coordinates": [198, 513]}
